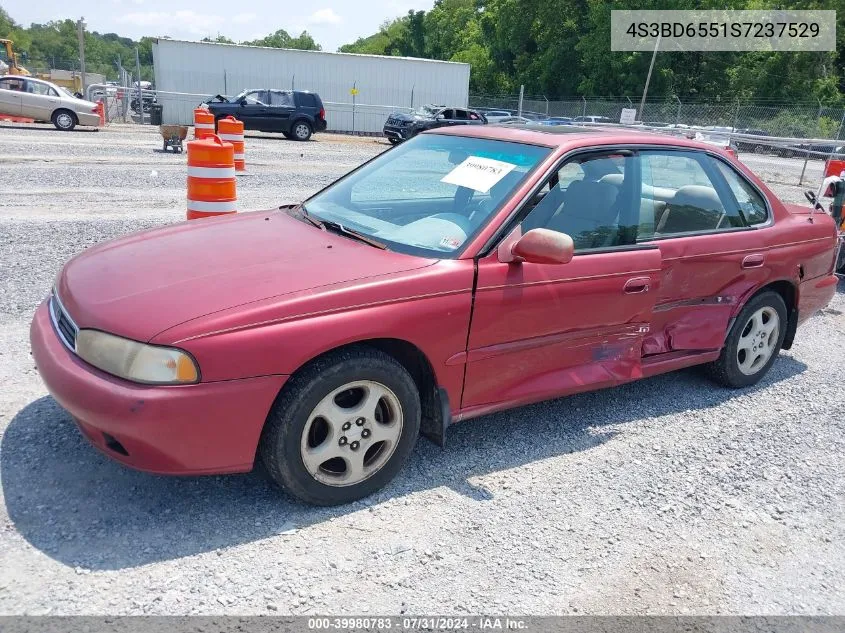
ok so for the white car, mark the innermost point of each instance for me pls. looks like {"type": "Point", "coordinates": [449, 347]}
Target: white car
{"type": "Point", "coordinates": [44, 101]}
{"type": "Point", "coordinates": [496, 116]}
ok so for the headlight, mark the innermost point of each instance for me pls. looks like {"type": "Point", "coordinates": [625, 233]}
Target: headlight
{"type": "Point", "coordinates": [136, 361]}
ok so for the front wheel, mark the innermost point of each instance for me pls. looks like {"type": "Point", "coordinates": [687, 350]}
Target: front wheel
{"type": "Point", "coordinates": [64, 120]}
{"type": "Point", "coordinates": [301, 131]}
{"type": "Point", "coordinates": [753, 343]}
{"type": "Point", "coordinates": [342, 428]}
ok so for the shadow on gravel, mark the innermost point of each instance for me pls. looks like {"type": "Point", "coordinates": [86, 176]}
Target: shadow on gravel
{"type": "Point", "coordinates": [82, 509]}
{"type": "Point", "coordinates": [47, 127]}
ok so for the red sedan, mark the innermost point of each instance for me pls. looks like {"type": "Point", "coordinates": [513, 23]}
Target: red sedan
{"type": "Point", "coordinates": [466, 271]}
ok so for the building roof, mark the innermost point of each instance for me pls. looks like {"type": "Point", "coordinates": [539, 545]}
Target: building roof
{"type": "Point", "coordinates": [299, 50]}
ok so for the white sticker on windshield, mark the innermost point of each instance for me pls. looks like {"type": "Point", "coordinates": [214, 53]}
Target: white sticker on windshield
{"type": "Point", "coordinates": [478, 173]}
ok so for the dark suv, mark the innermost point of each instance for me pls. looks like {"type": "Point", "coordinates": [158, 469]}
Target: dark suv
{"type": "Point", "coordinates": [400, 126]}
{"type": "Point", "coordinates": [294, 113]}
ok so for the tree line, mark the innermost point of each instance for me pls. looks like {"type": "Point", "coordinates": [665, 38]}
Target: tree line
{"type": "Point", "coordinates": [561, 48]}
{"type": "Point", "coordinates": [555, 48]}
{"type": "Point", "coordinates": [56, 45]}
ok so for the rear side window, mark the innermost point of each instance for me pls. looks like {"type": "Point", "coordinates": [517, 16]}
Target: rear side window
{"type": "Point", "coordinates": [679, 197]}
{"type": "Point", "coordinates": [11, 84]}
{"type": "Point", "coordinates": [279, 98]}
{"type": "Point", "coordinates": [307, 100]}
{"type": "Point", "coordinates": [39, 89]}
{"type": "Point", "coordinates": [751, 204]}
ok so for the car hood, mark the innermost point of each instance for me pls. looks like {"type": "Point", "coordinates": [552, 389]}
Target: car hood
{"type": "Point", "coordinates": [140, 285]}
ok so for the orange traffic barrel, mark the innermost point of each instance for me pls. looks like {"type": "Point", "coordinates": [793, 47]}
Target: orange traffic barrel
{"type": "Point", "coordinates": [231, 130]}
{"type": "Point", "coordinates": [211, 178]}
{"type": "Point", "coordinates": [834, 167]}
{"type": "Point", "coordinates": [203, 123]}
{"type": "Point", "coordinates": [101, 112]}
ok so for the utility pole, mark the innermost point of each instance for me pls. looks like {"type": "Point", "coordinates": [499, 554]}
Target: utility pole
{"type": "Point", "coordinates": [648, 77]}
{"type": "Point", "coordinates": [140, 91]}
{"type": "Point", "coordinates": [80, 26]}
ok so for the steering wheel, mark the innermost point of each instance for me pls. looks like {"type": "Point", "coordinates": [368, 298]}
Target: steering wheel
{"type": "Point", "coordinates": [463, 196]}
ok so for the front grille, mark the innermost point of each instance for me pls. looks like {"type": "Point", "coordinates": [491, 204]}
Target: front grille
{"type": "Point", "coordinates": [65, 327]}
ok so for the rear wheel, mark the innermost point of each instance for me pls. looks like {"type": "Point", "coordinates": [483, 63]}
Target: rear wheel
{"type": "Point", "coordinates": [64, 120]}
{"type": "Point", "coordinates": [301, 130]}
{"type": "Point", "coordinates": [342, 428]}
{"type": "Point", "coordinates": [753, 343]}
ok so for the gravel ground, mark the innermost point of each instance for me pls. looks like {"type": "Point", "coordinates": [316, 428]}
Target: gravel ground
{"type": "Point", "coordinates": [668, 496]}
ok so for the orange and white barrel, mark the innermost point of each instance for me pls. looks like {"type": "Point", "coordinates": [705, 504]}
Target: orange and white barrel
{"type": "Point", "coordinates": [203, 123]}
{"type": "Point", "coordinates": [231, 130]}
{"type": "Point", "coordinates": [211, 178]}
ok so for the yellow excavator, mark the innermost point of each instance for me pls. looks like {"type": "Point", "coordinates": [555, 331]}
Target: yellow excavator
{"type": "Point", "coordinates": [9, 60]}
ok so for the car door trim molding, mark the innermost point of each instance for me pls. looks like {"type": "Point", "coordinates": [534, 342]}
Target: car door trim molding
{"type": "Point", "coordinates": [750, 249]}
{"type": "Point", "coordinates": [566, 280]}
{"type": "Point", "coordinates": [632, 330]}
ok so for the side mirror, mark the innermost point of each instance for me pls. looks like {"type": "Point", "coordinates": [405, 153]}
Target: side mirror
{"type": "Point", "coordinates": [439, 117]}
{"type": "Point", "coordinates": [242, 101]}
{"type": "Point", "coordinates": [540, 246]}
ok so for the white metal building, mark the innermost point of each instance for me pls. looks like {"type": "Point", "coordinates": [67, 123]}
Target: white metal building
{"type": "Point", "coordinates": [383, 84]}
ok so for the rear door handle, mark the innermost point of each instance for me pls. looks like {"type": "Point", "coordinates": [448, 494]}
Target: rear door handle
{"type": "Point", "coordinates": [637, 285]}
{"type": "Point", "coordinates": [753, 261]}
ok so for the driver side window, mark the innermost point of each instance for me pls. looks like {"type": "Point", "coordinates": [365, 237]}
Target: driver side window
{"type": "Point", "coordinates": [256, 97]}
{"type": "Point", "coordinates": [589, 200]}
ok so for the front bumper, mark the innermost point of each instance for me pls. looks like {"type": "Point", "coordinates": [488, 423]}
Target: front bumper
{"type": "Point", "coordinates": [400, 133]}
{"type": "Point", "coordinates": [176, 430]}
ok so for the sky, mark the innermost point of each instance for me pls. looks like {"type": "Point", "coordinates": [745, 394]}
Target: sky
{"type": "Point", "coordinates": [332, 23]}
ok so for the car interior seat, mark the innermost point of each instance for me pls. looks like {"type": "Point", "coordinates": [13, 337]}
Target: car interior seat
{"type": "Point", "coordinates": [693, 208]}
{"type": "Point", "coordinates": [588, 214]}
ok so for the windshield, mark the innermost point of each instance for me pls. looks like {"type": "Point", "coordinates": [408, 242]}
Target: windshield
{"type": "Point", "coordinates": [426, 111]}
{"type": "Point", "coordinates": [431, 194]}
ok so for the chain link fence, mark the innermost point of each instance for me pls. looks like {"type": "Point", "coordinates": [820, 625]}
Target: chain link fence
{"type": "Point", "coordinates": [796, 120]}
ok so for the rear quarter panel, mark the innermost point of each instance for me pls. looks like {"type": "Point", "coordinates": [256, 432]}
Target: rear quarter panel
{"type": "Point", "coordinates": [802, 249]}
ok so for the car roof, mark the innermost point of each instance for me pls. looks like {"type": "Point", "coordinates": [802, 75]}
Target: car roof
{"type": "Point", "coordinates": [567, 136]}
{"type": "Point", "coordinates": [28, 78]}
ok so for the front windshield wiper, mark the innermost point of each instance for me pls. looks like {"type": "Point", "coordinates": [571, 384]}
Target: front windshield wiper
{"type": "Point", "coordinates": [339, 228]}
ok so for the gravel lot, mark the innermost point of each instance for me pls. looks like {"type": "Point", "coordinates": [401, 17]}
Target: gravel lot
{"type": "Point", "coordinates": [666, 496]}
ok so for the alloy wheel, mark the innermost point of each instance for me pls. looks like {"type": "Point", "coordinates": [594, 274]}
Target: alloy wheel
{"type": "Point", "coordinates": [352, 433]}
{"type": "Point", "coordinates": [301, 130]}
{"type": "Point", "coordinates": [64, 120]}
{"type": "Point", "coordinates": [758, 340]}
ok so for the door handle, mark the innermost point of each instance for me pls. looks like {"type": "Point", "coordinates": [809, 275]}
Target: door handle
{"type": "Point", "coordinates": [753, 261]}
{"type": "Point", "coordinates": [637, 285]}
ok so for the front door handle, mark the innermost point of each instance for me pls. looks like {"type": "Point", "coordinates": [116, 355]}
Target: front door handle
{"type": "Point", "coordinates": [637, 285]}
{"type": "Point", "coordinates": [753, 261]}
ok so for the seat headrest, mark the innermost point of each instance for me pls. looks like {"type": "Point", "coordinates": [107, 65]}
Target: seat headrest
{"type": "Point", "coordinates": [698, 196]}
{"type": "Point", "coordinates": [613, 179]}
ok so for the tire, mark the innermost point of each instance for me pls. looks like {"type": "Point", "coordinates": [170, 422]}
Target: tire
{"type": "Point", "coordinates": [64, 120]}
{"type": "Point", "coordinates": [752, 345]}
{"type": "Point", "coordinates": [393, 141]}
{"type": "Point", "coordinates": [301, 130]}
{"type": "Point", "coordinates": [350, 462]}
